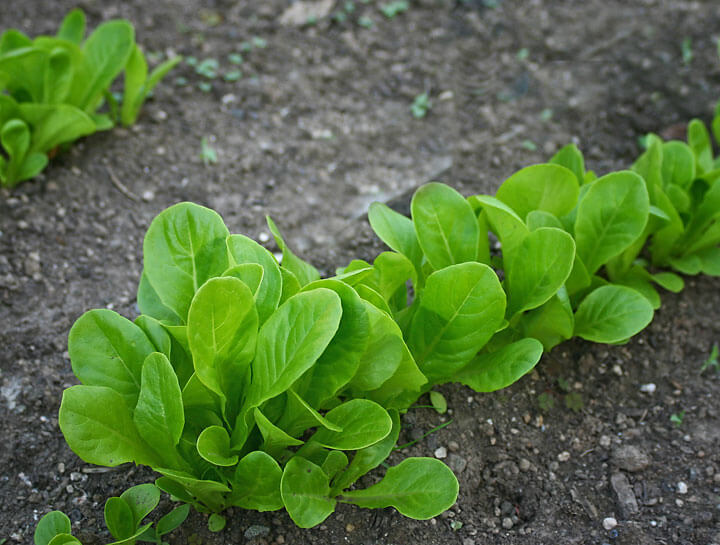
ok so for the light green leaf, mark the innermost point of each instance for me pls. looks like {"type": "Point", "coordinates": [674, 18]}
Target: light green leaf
{"type": "Point", "coordinates": [445, 224]}
{"type": "Point", "coordinates": [305, 490]}
{"type": "Point", "coordinates": [571, 158]}
{"type": "Point", "coordinates": [460, 309]}
{"type": "Point", "coordinates": [419, 488]}
{"type": "Point", "coordinates": [222, 332]}
{"type": "Point", "coordinates": [611, 314]}
{"type": "Point", "coordinates": [172, 520]}
{"type": "Point", "coordinates": [699, 142]}
{"type": "Point", "coordinates": [159, 416]}
{"type": "Point", "coordinates": [275, 440]}
{"type": "Point", "coordinates": [678, 164]}
{"type": "Point", "coordinates": [64, 539]}
{"type": "Point", "coordinates": [50, 525]}
{"type": "Point", "coordinates": [503, 220]}
{"type": "Point", "coordinates": [552, 323]}
{"type": "Point", "coordinates": [539, 218]}
{"type": "Point", "coordinates": [55, 124]}
{"type": "Point", "coordinates": [538, 268]}
{"type": "Point", "coordinates": [610, 217]}
{"type": "Point", "coordinates": [141, 499]}
{"type": "Point", "coordinates": [493, 371]}
{"type": "Point", "coordinates": [552, 188]}
{"type": "Point", "coordinates": [119, 518]}
{"type": "Point", "coordinates": [109, 350]}
{"type": "Point", "coordinates": [303, 271]}
{"type": "Point", "coordinates": [363, 422]}
{"type": "Point", "coordinates": [72, 28]}
{"type": "Point", "coordinates": [256, 483]}
{"type": "Point", "coordinates": [397, 231]}
{"type": "Point", "coordinates": [213, 445]}
{"type": "Point", "coordinates": [184, 247]}
{"type": "Point", "coordinates": [136, 70]}
{"type": "Point", "coordinates": [98, 427]}
{"type": "Point", "coordinates": [299, 416]}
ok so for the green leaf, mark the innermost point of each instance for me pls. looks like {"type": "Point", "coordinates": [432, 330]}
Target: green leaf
{"type": "Point", "coordinates": [383, 353]}
{"type": "Point", "coordinates": [298, 416]}
{"type": "Point", "coordinates": [552, 188]}
{"type": "Point", "coordinates": [256, 483]}
{"type": "Point", "coordinates": [244, 250]}
{"type": "Point", "coordinates": [172, 520]}
{"type": "Point", "coordinates": [159, 416]}
{"type": "Point", "coordinates": [109, 350]}
{"type": "Point", "coordinates": [50, 525]}
{"type": "Point", "coordinates": [699, 142]}
{"type": "Point", "coordinates": [149, 303]}
{"type": "Point", "coordinates": [446, 227]}
{"type": "Point", "coordinates": [105, 54]}
{"type": "Point", "coordinates": [551, 323]}
{"type": "Point", "coordinates": [136, 70]}
{"type": "Point", "coordinates": [305, 490]}
{"type": "Point", "coordinates": [539, 218]}
{"type": "Point", "coordinates": [612, 314]}
{"type": "Point", "coordinates": [438, 401]}
{"type": "Point", "coordinates": [216, 523]}
{"type": "Point", "coordinates": [678, 164]}
{"type": "Point", "coordinates": [99, 428]}
{"type": "Point", "coordinates": [290, 285]}
{"type": "Point", "coordinates": [250, 274]}
{"type": "Point", "coordinates": [397, 231]}
{"type": "Point", "coordinates": [370, 457]}
{"type": "Point", "coordinates": [222, 332]}
{"type": "Point", "coordinates": [504, 222]}
{"type": "Point", "coordinates": [341, 359]}
{"type": "Point", "coordinates": [291, 341]}
{"type": "Point", "coordinates": [13, 39]}
{"type": "Point", "coordinates": [275, 440]}
{"type": "Point", "coordinates": [303, 271]}
{"type": "Point", "coordinates": [670, 281]}
{"type": "Point", "coordinates": [58, 76]}
{"type": "Point", "coordinates": [419, 488]}
{"type": "Point", "coordinates": [211, 494]}
{"type": "Point", "coordinates": [213, 445]}
{"type": "Point", "coordinates": [55, 124]}
{"type": "Point", "coordinates": [363, 422]}
{"type": "Point", "coordinates": [119, 518]}
{"type": "Point", "coordinates": [460, 309]}
{"type": "Point", "coordinates": [610, 217]}
{"type": "Point", "coordinates": [496, 370]}
{"type": "Point", "coordinates": [538, 268]}
{"type": "Point", "coordinates": [64, 539]}
{"type": "Point", "coordinates": [72, 28]}
{"type": "Point", "coordinates": [15, 139]}
{"type": "Point", "coordinates": [141, 499]}
{"type": "Point", "coordinates": [571, 158]}
{"type": "Point", "coordinates": [183, 248]}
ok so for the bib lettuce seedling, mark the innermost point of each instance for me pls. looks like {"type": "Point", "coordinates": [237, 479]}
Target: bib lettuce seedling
{"type": "Point", "coordinates": [52, 88]}
{"type": "Point", "coordinates": [246, 382]}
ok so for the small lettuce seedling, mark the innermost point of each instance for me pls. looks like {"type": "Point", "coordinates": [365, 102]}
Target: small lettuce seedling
{"type": "Point", "coordinates": [124, 516]}
{"type": "Point", "coordinates": [248, 383]}
{"type": "Point", "coordinates": [52, 88]}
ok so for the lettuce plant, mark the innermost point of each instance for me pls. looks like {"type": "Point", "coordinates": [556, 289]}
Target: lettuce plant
{"type": "Point", "coordinates": [52, 87]}
{"type": "Point", "coordinates": [124, 516]}
{"type": "Point", "coordinates": [683, 181]}
{"type": "Point", "coordinates": [247, 383]}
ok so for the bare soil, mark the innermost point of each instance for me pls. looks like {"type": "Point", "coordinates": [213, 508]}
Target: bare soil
{"type": "Point", "coordinates": [318, 127]}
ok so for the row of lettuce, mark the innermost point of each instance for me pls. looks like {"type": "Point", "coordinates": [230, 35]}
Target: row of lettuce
{"type": "Point", "coordinates": [253, 383]}
{"type": "Point", "coordinates": [56, 89]}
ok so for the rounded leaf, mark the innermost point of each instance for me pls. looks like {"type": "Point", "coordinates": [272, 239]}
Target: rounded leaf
{"type": "Point", "coordinates": [548, 187]}
{"type": "Point", "coordinates": [612, 314]}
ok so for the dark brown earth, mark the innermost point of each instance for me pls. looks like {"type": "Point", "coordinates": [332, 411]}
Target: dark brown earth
{"type": "Point", "coordinates": [318, 127]}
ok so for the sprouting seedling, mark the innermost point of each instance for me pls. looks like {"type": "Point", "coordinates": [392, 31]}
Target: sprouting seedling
{"type": "Point", "coordinates": [420, 106]}
{"type": "Point", "coordinates": [391, 9]}
{"type": "Point", "coordinates": [523, 54]}
{"type": "Point", "coordinates": [208, 68]}
{"type": "Point", "coordinates": [365, 22]}
{"type": "Point", "coordinates": [208, 154]}
{"type": "Point", "coordinates": [712, 361]}
{"type": "Point", "coordinates": [677, 418]}
{"type": "Point", "coordinates": [687, 52]}
{"type": "Point", "coordinates": [438, 402]}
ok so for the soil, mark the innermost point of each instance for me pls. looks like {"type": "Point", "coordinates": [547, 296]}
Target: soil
{"type": "Point", "coordinates": [319, 126]}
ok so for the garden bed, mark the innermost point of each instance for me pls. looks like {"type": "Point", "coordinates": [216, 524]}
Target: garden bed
{"type": "Point", "coordinates": [319, 126]}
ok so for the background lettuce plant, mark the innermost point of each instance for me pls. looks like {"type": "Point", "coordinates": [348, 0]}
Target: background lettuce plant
{"type": "Point", "coordinates": [247, 383]}
{"type": "Point", "coordinates": [52, 88]}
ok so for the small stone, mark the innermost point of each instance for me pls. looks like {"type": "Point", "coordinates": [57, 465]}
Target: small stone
{"type": "Point", "coordinates": [617, 370]}
{"type": "Point", "coordinates": [524, 464]}
{"type": "Point", "coordinates": [263, 236]}
{"type": "Point", "coordinates": [256, 530]}
{"type": "Point", "coordinates": [648, 388]}
{"type": "Point", "coordinates": [605, 441]}
{"type": "Point", "coordinates": [453, 446]}
{"type": "Point", "coordinates": [350, 528]}
{"type": "Point", "coordinates": [441, 452]}
{"type": "Point", "coordinates": [609, 523]}
{"type": "Point", "coordinates": [468, 541]}
{"type": "Point", "coordinates": [75, 476]}
{"type": "Point", "coordinates": [456, 463]}
{"type": "Point", "coordinates": [682, 488]}
{"type": "Point", "coordinates": [161, 115]}
{"type": "Point", "coordinates": [507, 523]}
{"type": "Point", "coordinates": [564, 456]}
{"type": "Point", "coordinates": [280, 540]}
{"type": "Point", "coordinates": [148, 195]}
{"type": "Point", "coordinates": [625, 496]}
{"type": "Point", "coordinates": [630, 458]}
{"type": "Point", "coordinates": [61, 467]}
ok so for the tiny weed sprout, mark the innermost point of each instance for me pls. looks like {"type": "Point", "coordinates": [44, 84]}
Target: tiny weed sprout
{"type": "Point", "coordinates": [248, 383]}
{"type": "Point", "coordinates": [52, 90]}
{"type": "Point", "coordinates": [208, 154]}
{"type": "Point", "coordinates": [124, 516]}
{"type": "Point", "coordinates": [391, 9]}
{"type": "Point", "coordinates": [712, 362]}
{"type": "Point", "coordinates": [677, 418]}
{"type": "Point", "coordinates": [420, 106]}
